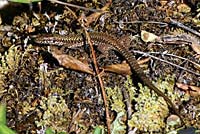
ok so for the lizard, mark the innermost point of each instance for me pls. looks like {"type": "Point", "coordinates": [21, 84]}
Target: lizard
{"type": "Point", "coordinates": [101, 39]}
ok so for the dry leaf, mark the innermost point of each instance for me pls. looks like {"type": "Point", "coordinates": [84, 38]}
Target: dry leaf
{"type": "Point", "coordinates": [192, 90]}
{"type": "Point", "coordinates": [182, 86]}
{"type": "Point", "coordinates": [93, 17]}
{"type": "Point", "coordinates": [148, 37]}
{"type": "Point", "coordinates": [72, 63]}
{"type": "Point", "coordinates": [183, 39]}
{"type": "Point", "coordinates": [195, 91]}
{"type": "Point", "coordinates": [123, 69]}
{"type": "Point", "coordinates": [196, 47]}
{"type": "Point", "coordinates": [142, 61]}
{"type": "Point", "coordinates": [194, 43]}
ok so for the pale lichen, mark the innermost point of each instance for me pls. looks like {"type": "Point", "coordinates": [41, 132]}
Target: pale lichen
{"type": "Point", "coordinates": [56, 113]}
{"type": "Point", "coordinates": [116, 99]}
{"type": "Point", "coordinates": [118, 126]}
{"type": "Point", "coordinates": [10, 62]}
{"type": "Point", "coordinates": [151, 110]}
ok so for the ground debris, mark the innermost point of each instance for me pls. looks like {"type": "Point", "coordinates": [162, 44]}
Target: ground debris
{"type": "Point", "coordinates": [42, 93]}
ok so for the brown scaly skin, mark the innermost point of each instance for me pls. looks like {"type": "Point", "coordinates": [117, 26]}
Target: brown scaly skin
{"type": "Point", "coordinates": [72, 41]}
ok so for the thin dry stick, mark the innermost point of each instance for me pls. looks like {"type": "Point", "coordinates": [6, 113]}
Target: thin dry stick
{"type": "Point", "coordinates": [172, 55]}
{"type": "Point", "coordinates": [75, 116]}
{"type": "Point", "coordinates": [100, 80]}
{"type": "Point", "coordinates": [76, 6]}
{"type": "Point", "coordinates": [162, 24]}
{"type": "Point", "coordinates": [91, 19]}
{"type": "Point", "coordinates": [139, 52]}
{"type": "Point", "coordinates": [178, 24]}
{"type": "Point", "coordinates": [128, 105]}
{"type": "Point", "coordinates": [75, 16]}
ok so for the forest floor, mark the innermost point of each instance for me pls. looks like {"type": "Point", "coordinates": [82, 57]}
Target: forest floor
{"type": "Point", "coordinates": [57, 90]}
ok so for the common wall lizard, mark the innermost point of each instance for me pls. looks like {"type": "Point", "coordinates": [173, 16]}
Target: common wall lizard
{"type": "Point", "coordinates": [72, 41]}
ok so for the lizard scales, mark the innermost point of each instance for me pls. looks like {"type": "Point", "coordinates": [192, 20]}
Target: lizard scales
{"type": "Point", "coordinates": [72, 41]}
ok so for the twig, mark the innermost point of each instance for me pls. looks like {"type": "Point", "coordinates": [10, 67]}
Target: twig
{"type": "Point", "coordinates": [147, 54]}
{"type": "Point", "coordinates": [172, 55]}
{"type": "Point", "coordinates": [176, 23]}
{"type": "Point", "coordinates": [163, 24]}
{"type": "Point", "coordinates": [75, 116]}
{"type": "Point", "coordinates": [100, 81]}
{"type": "Point", "coordinates": [72, 12]}
{"type": "Point", "coordinates": [76, 6]}
{"type": "Point", "coordinates": [81, 20]}
{"type": "Point", "coordinates": [128, 105]}
{"type": "Point", "coordinates": [91, 19]}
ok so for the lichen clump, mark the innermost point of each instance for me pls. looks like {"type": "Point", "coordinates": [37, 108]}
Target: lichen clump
{"type": "Point", "coordinates": [151, 110]}
{"type": "Point", "coordinates": [56, 113]}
